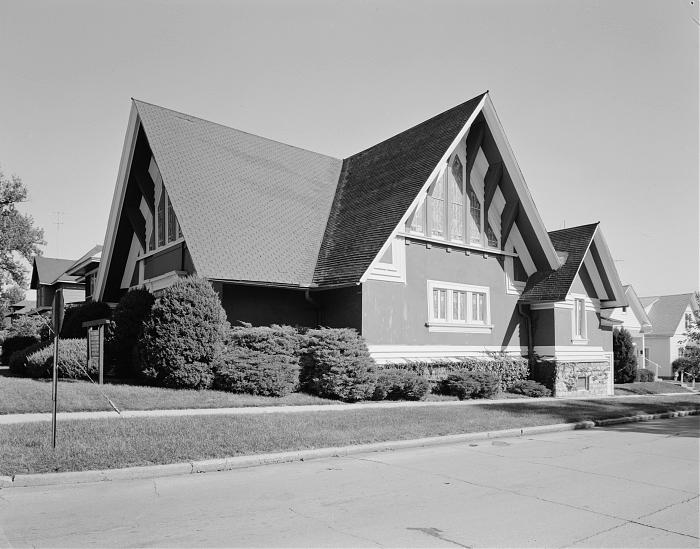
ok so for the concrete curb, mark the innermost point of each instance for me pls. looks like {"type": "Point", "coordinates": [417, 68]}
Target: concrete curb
{"type": "Point", "coordinates": [240, 462]}
{"type": "Point", "coordinates": [11, 419]}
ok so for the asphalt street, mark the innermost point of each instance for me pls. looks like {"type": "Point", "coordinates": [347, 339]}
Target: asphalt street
{"type": "Point", "coordinates": [633, 485]}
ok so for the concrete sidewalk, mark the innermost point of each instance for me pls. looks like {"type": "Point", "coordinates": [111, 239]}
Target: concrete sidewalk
{"type": "Point", "coordinates": [9, 419]}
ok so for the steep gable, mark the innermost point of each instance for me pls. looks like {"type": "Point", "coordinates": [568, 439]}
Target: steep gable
{"type": "Point", "coordinates": [48, 270]}
{"type": "Point", "coordinates": [666, 312]}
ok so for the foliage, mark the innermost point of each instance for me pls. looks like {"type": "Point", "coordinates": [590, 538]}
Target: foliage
{"type": "Point", "coordinates": [645, 375]}
{"type": "Point", "coordinates": [271, 340]}
{"type": "Point", "coordinates": [469, 384]}
{"type": "Point", "coordinates": [18, 236]}
{"type": "Point", "coordinates": [9, 296]}
{"type": "Point", "coordinates": [692, 334]}
{"type": "Point", "coordinates": [31, 325]}
{"type": "Point", "coordinates": [336, 364]}
{"type": "Point", "coordinates": [245, 370]}
{"type": "Point", "coordinates": [72, 360]}
{"type": "Point", "coordinates": [397, 384]}
{"type": "Point", "coordinates": [507, 369]}
{"type": "Point", "coordinates": [689, 366]}
{"type": "Point", "coordinates": [529, 388]}
{"type": "Point", "coordinates": [625, 360]}
{"type": "Point", "coordinates": [127, 326]}
{"type": "Point", "coordinates": [183, 335]}
{"type": "Point", "coordinates": [16, 343]}
{"type": "Point", "coordinates": [77, 314]}
{"type": "Point", "coordinates": [18, 359]}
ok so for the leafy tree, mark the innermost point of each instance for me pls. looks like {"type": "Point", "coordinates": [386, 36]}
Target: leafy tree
{"type": "Point", "coordinates": [692, 335]}
{"type": "Point", "coordinates": [8, 296]}
{"type": "Point", "coordinates": [19, 238]}
{"type": "Point", "coordinates": [624, 356]}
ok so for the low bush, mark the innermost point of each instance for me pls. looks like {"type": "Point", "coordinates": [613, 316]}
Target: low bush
{"type": "Point", "coordinates": [271, 340]}
{"type": "Point", "coordinates": [72, 360]}
{"type": "Point", "coordinates": [18, 360]}
{"type": "Point", "coordinates": [128, 321]}
{"type": "Point", "coordinates": [16, 343]}
{"type": "Point", "coordinates": [529, 388]}
{"type": "Point", "coordinates": [183, 335]}
{"type": "Point", "coordinates": [244, 370]}
{"type": "Point", "coordinates": [644, 375]}
{"type": "Point", "coordinates": [336, 364]}
{"type": "Point", "coordinates": [397, 384]}
{"type": "Point", "coordinates": [466, 384]}
{"type": "Point", "coordinates": [507, 369]}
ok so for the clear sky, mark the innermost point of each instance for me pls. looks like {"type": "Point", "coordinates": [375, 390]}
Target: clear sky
{"type": "Point", "coordinates": [599, 99]}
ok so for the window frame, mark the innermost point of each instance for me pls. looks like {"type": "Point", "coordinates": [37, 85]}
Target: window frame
{"type": "Point", "coordinates": [449, 323]}
{"type": "Point", "coordinates": [579, 331]}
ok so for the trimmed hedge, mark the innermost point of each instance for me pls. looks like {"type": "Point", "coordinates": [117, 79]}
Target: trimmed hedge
{"type": "Point", "coordinates": [397, 384]}
{"type": "Point", "coordinates": [467, 384]}
{"type": "Point", "coordinates": [16, 343]}
{"type": "Point", "coordinates": [245, 370]}
{"type": "Point", "coordinates": [529, 388]}
{"type": "Point", "coordinates": [72, 360]}
{"type": "Point", "coordinates": [506, 369]}
{"type": "Point", "coordinates": [18, 360]}
{"type": "Point", "coordinates": [645, 375]}
{"type": "Point", "coordinates": [335, 363]}
{"type": "Point", "coordinates": [271, 340]}
{"type": "Point", "coordinates": [183, 335]}
{"type": "Point", "coordinates": [128, 321]}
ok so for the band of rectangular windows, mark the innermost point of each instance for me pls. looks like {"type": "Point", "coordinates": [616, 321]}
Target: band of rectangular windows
{"type": "Point", "coordinates": [458, 304]}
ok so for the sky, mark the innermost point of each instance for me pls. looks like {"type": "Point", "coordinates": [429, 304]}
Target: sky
{"type": "Point", "coordinates": [599, 99]}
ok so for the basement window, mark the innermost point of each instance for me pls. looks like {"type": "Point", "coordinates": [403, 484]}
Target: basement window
{"type": "Point", "coordinates": [583, 383]}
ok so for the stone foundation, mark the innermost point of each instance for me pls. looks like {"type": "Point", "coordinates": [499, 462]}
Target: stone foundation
{"type": "Point", "coordinates": [574, 378]}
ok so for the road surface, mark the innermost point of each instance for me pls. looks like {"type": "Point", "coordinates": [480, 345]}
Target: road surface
{"type": "Point", "coordinates": [634, 485]}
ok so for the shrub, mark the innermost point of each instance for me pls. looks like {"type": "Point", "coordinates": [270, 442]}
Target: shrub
{"type": "Point", "coordinates": [30, 325]}
{"type": "Point", "coordinates": [183, 335]}
{"type": "Point", "coordinates": [244, 370]}
{"type": "Point", "coordinates": [77, 314]}
{"type": "Point", "coordinates": [465, 384]}
{"type": "Point", "coordinates": [18, 360]}
{"type": "Point", "coordinates": [625, 360]}
{"type": "Point", "coordinates": [529, 388]}
{"type": "Point", "coordinates": [336, 364]}
{"type": "Point", "coordinates": [505, 368]}
{"type": "Point", "coordinates": [16, 343]}
{"type": "Point", "coordinates": [270, 340]}
{"type": "Point", "coordinates": [128, 321]}
{"type": "Point", "coordinates": [645, 375]}
{"type": "Point", "coordinates": [397, 384]}
{"type": "Point", "coordinates": [72, 360]}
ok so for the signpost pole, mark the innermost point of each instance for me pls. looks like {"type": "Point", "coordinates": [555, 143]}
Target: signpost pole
{"type": "Point", "coordinates": [57, 314]}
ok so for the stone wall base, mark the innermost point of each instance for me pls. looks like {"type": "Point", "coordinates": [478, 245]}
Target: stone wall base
{"type": "Point", "coordinates": [573, 378]}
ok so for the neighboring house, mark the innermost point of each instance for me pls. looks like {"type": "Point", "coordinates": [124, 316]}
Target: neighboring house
{"type": "Point", "coordinates": [20, 308]}
{"type": "Point", "coordinates": [671, 317]}
{"type": "Point", "coordinates": [48, 275]}
{"type": "Point", "coordinates": [428, 243]}
{"type": "Point", "coordinates": [636, 321]}
{"type": "Point", "coordinates": [85, 270]}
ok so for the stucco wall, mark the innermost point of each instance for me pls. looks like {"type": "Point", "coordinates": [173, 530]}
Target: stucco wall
{"type": "Point", "coordinates": [176, 258]}
{"type": "Point", "coordinates": [395, 313]}
{"type": "Point", "coordinates": [660, 352]}
{"type": "Point", "coordinates": [597, 336]}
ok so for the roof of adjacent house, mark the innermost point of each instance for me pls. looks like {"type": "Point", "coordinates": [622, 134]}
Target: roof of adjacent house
{"type": "Point", "coordinates": [85, 263]}
{"type": "Point", "coordinates": [375, 190]}
{"type": "Point", "coordinates": [250, 208]}
{"type": "Point", "coordinates": [548, 286]}
{"type": "Point", "coordinates": [666, 312]}
{"type": "Point", "coordinates": [49, 270]}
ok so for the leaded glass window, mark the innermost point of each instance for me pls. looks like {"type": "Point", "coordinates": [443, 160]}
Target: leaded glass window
{"type": "Point", "coordinates": [478, 303]}
{"type": "Point", "coordinates": [491, 237]}
{"type": "Point", "coordinates": [172, 222]}
{"type": "Point", "coordinates": [437, 208]}
{"type": "Point", "coordinates": [457, 201]}
{"type": "Point", "coordinates": [439, 304]}
{"type": "Point", "coordinates": [161, 219]}
{"type": "Point", "coordinates": [474, 217]}
{"type": "Point", "coordinates": [416, 223]}
{"type": "Point", "coordinates": [459, 306]}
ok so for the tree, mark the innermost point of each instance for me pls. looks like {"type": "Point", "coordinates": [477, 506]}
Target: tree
{"type": "Point", "coordinates": [692, 334]}
{"type": "Point", "coordinates": [624, 357]}
{"type": "Point", "coordinates": [18, 235]}
{"type": "Point", "coordinates": [8, 296]}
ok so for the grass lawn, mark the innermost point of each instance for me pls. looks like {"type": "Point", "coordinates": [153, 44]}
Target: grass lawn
{"type": "Point", "coordinates": [648, 388]}
{"type": "Point", "coordinates": [120, 442]}
{"type": "Point", "coordinates": [21, 395]}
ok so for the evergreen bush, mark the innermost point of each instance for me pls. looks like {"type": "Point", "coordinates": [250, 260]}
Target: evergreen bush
{"type": "Point", "coordinates": [529, 388]}
{"type": "Point", "coordinates": [15, 343]}
{"type": "Point", "coordinates": [128, 321]}
{"type": "Point", "coordinates": [18, 360]}
{"type": "Point", "coordinates": [397, 384]}
{"type": "Point", "coordinates": [183, 335]}
{"type": "Point", "coordinates": [625, 360]}
{"type": "Point", "coordinates": [645, 375]}
{"type": "Point", "coordinates": [76, 315]}
{"type": "Point", "coordinates": [72, 360]}
{"type": "Point", "coordinates": [245, 370]}
{"type": "Point", "coordinates": [468, 384]}
{"type": "Point", "coordinates": [336, 364]}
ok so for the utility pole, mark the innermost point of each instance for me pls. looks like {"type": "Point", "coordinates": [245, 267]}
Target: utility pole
{"type": "Point", "coordinates": [58, 224]}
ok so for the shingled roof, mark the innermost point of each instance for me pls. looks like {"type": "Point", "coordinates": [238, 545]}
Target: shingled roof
{"type": "Point", "coordinates": [49, 270]}
{"type": "Point", "coordinates": [666, 312]}
{"type": "Point", "coordinates": [549, 286]}
{"type": "Point", "coordinates": [250, 208]}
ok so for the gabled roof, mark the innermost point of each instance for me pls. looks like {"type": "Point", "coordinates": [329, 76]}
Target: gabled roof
{"type": "Point", "coordinates": [550, 286]}
{"type": "Point", "coordinates": [49, 270]}
{"type": "Point", "coordinates": [250, 209]}
{"type": "Point", "coordinates": [375, 190]}
{"type": "Point", "coordinates": [666, 312]}
{"type": "Point", "coordinates": [87, 262]}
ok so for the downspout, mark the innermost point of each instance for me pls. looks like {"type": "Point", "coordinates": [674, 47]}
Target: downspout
{"type": "Point", "coordinates": [528, 322]}
{"type": "Point", "coordinates": [314, 304]}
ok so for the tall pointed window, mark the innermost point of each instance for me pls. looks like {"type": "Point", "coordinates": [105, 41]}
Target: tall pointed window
{"type": "Point", "coordinates": [172, 223]}
{"type": "Point", "coordinates": [474, 217]}
{"type": "Point", "coordinates": [436, 208]}
{"type": "Point", "coordinates": [161, 219]}
{"type": "Point", "coordinates": [457, 201]}
{"type": "Point", "coordinates": [416, 223]}
{"type": "Point", "coordinates": [491, 238]}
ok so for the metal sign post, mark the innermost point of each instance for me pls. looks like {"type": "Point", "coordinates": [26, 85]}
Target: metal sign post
{"type": "Point", "coordinates": [57, 321]}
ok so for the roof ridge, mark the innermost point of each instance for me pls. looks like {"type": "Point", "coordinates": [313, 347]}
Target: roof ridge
{"type": "Point", "coordinates": [236, 129]}
{"type": "Point", "coordinates": [667, 295]}
{"type": "Point", "coordinates": [596, 223]}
